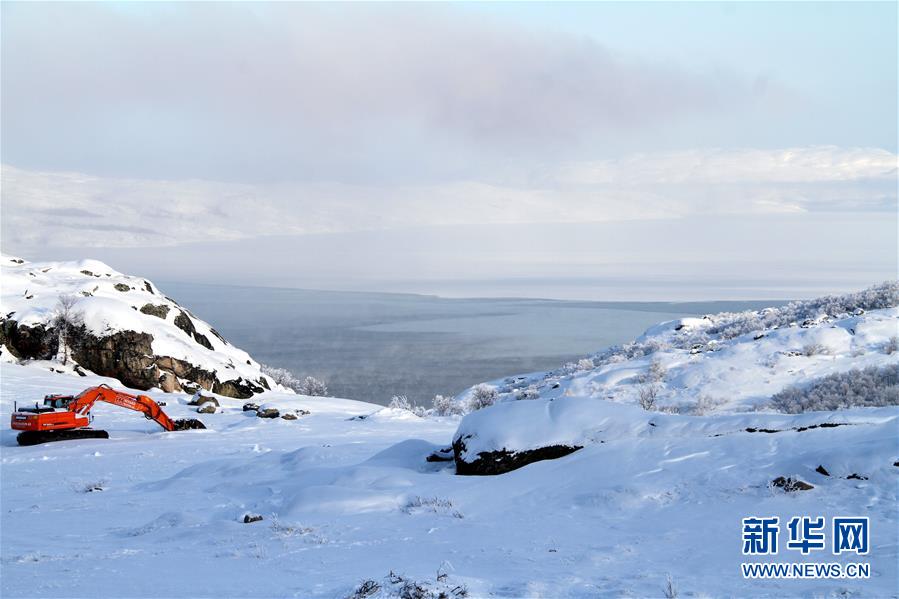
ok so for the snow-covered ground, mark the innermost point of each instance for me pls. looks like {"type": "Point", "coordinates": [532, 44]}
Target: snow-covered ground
{"type": "Point", "coordinates": [153, 514]}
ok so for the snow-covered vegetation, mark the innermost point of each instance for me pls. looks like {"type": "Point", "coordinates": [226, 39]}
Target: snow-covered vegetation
{"type": "Point", "coordinates": [306, 386]}
{"type": "Point", "coordinates": [873, 387]}
{"type": "Point", "coordinates": [723, 362]}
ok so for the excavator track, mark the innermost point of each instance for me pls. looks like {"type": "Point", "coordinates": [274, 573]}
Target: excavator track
{"type": "Point", "coordinates": [38, 437]}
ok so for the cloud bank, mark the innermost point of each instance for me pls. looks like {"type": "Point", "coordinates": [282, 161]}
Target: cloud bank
{"type": "Point", "coordinates": [70, 209]}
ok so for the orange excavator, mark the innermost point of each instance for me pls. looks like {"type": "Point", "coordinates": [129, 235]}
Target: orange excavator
{"type": "Point", "coordinates": [64, 417]}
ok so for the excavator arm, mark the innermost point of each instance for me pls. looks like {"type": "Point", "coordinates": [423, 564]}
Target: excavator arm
{"type": "Point", "coordinates": [83, 403]}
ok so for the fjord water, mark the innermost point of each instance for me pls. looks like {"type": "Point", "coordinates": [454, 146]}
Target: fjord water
{"type": "Point", "coordinates": [371, 346]}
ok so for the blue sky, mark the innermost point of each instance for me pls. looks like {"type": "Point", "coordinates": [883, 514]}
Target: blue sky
{"type": "Point", "coordinates": [129, 126]}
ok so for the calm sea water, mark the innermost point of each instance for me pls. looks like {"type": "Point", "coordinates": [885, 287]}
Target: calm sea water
{"type": "Point", "coordinates": [371, 346]}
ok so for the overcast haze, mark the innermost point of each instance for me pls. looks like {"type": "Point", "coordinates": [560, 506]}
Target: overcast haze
{"type": "Point", "coordinates": [610, 151]}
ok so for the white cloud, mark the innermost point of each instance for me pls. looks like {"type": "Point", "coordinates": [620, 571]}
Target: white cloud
{"type": "Point", "coordinates": [70, 209]}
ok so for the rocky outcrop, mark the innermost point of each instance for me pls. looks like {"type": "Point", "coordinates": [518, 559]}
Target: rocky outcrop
{"type": "Point", "coordinates": [502, 461]}
{"type": "Point", "coordinates": [122, 327]}
{"type": "Point", "coordinates": [126, 356]}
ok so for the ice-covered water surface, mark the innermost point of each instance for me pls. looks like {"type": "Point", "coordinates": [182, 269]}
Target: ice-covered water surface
{"type": "Point", "coordinates": [370, 346]}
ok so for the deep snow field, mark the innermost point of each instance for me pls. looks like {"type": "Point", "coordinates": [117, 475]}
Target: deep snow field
{"type": "Point", "coordinates": [345, 500]}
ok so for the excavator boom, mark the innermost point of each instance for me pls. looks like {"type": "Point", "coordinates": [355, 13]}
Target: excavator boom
{"type": "Point", "coordinates": [67, 417]}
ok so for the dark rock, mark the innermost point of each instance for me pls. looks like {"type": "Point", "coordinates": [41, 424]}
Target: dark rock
{"type": "Point", "coordinates": [856, 476]}
{"type": "Point", "coordinates": [822, 470]}
{"type": "Point", "coordinates": [238, 388]}
{"type": "Point", "coordinates": [502, 461]}
{"type": "Point", "coordinates": [250, 407]}
{"type": "Point", "coordinates": [268, 413]}
{"type": "Point", "coordinates": [183, 322]}
{"type": "Point", "coordinates": [199, 399]}
{"type": "Point", "coordinates": [220, 338]}
{"type": "Point", "coordinates": [207, 408]}
{"type": "Point", "coordinates": [202, 340]}
{"type": "Point", "coordinates": [441, 455]}
{"type": "Point", "coordinates": [149, 287]}
{"type": "Point", "coordinates": [288, 416]}
{"type": "Point", "coordinates": [896, 464]}
{"type": "Point", "coordinates": [88, 273]}
{"type": "Point", "coordinates": [160, 311]}
{"type": "Point", "coordinates": [790, 485]}
{"type": "Point", "coordinates": [122, 287]}
{"type": "Point", "coordinates": [36, 343]}
{"type": "Point", "coordinates": [250, 518]}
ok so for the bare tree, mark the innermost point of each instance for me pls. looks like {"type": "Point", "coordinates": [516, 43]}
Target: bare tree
{"type": "Point", "coordinates": [648, 394]}
{"type": "Point", "coordinates": [66, 320]}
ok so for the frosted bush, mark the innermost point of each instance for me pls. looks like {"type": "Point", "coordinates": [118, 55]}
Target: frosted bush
{"type": "Point", "coordinates": [585, 364]}
{"type": "Point", "coordinates": [400, 402]}
{"type": "Point", "coordinates": [281, 376]}
{"type": "Point", "coordinates": [646, 396]}
{"type": "Point", "coordinates": [446, 406]}
{"type": "Point", "coordinates": [871, 387]}
{"type": "Point", "coordinates": [312, 386]}
{"type": "Point", "coordinates": [706, 403]}
{"type": "Point", "coordinates": [482, 395]}
{"type": "Point", "coordinates": [892, 346]}
{"type": "Point", "coordinates": [814, 349]}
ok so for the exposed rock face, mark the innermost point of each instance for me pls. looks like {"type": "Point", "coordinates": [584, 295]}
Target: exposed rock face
{"type": "Point", "coordinates": [502, 461]}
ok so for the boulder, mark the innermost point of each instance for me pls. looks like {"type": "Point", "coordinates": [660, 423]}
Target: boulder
{"type": "Point", "coordinates": [288, 416]}
{"type": "Point", "coordinates": [207, 408]}
{"type": "Point", "coordinates": [159, 311]}
{"type": "Point", "coordinates": [250, 518]}
{"type": "Point", "coordinates": [267, 413]}
{"type": "Point", "coordinates": [122, 287]}
{"type": "Point", "coordinates": [502, 461]}
{"type": "Point", "coordinates": [790, 485]}
{"type": "Point", "coordinates": [250, 407]}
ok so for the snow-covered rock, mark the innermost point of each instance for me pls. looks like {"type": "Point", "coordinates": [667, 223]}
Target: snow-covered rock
{"type": "Point", "coordinates": [127, 329]}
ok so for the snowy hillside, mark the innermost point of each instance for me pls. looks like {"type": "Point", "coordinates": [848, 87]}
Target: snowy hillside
{"type": "Point", "coordinates": [723, 362]}
{"type": "Point", "coordinates": [351, 506]}
{"type": "Point", "coordinates": [130, 331]}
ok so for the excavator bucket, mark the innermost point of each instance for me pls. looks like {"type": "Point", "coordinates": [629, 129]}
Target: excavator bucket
{"type": "Point", "coordinates": [185, 424]}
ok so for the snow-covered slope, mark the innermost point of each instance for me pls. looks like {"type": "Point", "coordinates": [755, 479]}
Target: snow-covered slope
{"type": "Point", "coordinates": [347, 500]}
{"type": "Point", "coordinates": [132, 331]}
{"type": "Point", "coordinates": [728, 362]}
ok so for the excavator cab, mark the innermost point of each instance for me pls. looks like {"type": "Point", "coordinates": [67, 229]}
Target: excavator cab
{"type": "Point", "coordinates": [58, 401]}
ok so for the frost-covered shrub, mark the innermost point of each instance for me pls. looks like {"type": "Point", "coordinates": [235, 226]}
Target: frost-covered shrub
{"type": "Point", "coordinates": [66, 320]}
{"type": "Point", "coordinates": [585, 364]}
{"type": "Point", "coordinates": [646, 396]}
{"type": "Point", "coordinates": [312, 386]}
{"type": "Point", "coordinates": [281, 376]}
{"type": "Point", "coordinates": [706, 403]}
{"type": "Point", "coordinates": [446, 406]}
{"type": "Point", "coordinates": [871, 387]}
{"type": "Point", "coordinates": [482, 395]}
{"type": "Point", "coordinates": [530, 392]}
{"type": "Point", "coordinates": [654, 374]}
{"type": "Point", "coordinates": [892, 345]}
{"type": "Point", "coordinates": [814, 349]}
{"type": "Point", "coordinates": [400, 402]}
